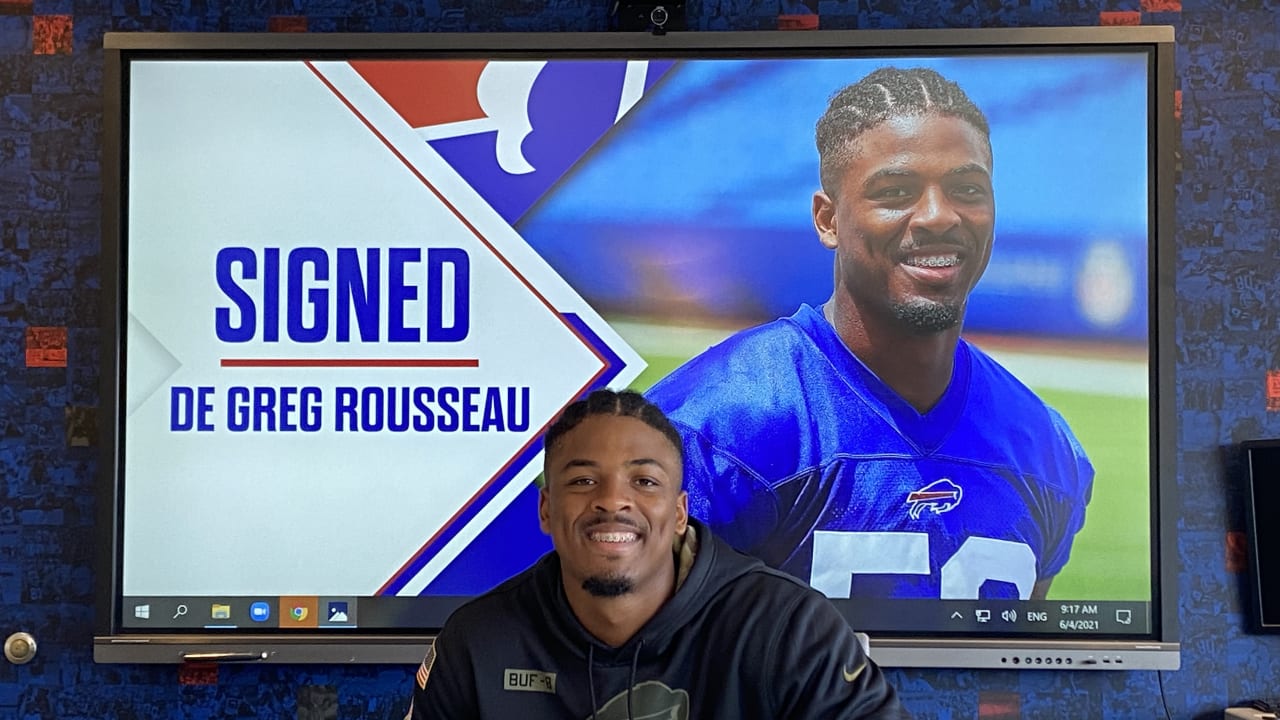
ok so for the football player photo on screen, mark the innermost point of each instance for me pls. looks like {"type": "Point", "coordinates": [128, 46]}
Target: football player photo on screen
{"type": "Point", "coordinates": [862, 443]}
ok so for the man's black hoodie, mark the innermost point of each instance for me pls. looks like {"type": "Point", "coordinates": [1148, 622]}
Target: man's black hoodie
{"type": "Point", "coordinates": [736, 641]}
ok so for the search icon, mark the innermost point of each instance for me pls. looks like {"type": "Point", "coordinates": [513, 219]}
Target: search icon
{"type": "Point", "coordinates": [182, 610]}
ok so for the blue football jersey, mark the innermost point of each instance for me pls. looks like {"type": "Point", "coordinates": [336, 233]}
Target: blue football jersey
{"type": "Point", "coordinates": [797, 453]}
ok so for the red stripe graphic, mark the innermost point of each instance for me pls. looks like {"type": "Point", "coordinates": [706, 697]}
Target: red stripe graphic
{"type": "Point", "coordinates": [918, 496]}
{"type": "Point", "coordinates": [350, 362]}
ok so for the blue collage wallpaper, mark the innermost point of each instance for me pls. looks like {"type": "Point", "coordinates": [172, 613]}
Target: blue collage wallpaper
{"type": "Point", "coordinates": [1227, 346]}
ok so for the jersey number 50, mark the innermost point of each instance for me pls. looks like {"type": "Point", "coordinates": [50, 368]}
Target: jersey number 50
{"type": "Point", "coordinates": [838, 556]}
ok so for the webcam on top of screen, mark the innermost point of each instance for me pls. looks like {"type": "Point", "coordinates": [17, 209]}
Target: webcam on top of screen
{"type": "Point", "coordinates": [654, 17]}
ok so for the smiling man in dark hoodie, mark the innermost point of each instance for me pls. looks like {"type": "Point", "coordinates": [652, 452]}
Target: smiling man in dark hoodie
{"type": "Point", "coordinates": [640, 612]}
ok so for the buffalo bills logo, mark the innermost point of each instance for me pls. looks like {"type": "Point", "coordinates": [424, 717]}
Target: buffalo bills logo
{"type": "Point", "coordinates": [939, 496]}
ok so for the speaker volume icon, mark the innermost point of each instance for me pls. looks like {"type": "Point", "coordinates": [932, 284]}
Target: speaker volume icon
{"type": "Point", "coordinates": [1009, 615]}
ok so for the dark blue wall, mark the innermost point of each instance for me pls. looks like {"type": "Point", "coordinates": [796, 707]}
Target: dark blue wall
{"type": "Point", "coordinates": [1228, 281]}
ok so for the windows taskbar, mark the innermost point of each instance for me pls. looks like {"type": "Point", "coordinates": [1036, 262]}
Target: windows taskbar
{"type": "Point", "coordinates": [341, 613]}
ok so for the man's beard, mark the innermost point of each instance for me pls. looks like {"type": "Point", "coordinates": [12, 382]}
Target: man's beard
{"type": "Point", "coordinates": [608, 586]}
{"type": "Point", "coordinates": [928, 316]}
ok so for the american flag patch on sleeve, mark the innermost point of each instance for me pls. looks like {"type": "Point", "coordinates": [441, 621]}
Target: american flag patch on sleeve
{"type": "Point", "coordinates": [424, 670]}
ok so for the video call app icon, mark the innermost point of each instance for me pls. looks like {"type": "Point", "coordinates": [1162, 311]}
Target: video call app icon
{"type": "Point", "coordinates": [260, 611]}
{"type": "Point", "coordinates": [299, 611]}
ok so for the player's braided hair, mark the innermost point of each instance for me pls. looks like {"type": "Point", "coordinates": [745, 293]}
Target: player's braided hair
{"type": "Point", "coordinates": [626, 403]}
{"type": "Point", "coordinates": [885, 93]}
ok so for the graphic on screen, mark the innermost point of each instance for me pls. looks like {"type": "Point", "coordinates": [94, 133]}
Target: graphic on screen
{"type": "Point", "coordinates": [358, 291]}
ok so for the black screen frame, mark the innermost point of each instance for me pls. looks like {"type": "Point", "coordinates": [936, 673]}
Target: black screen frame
{"type": "Point", "coordinates": [114, 643]}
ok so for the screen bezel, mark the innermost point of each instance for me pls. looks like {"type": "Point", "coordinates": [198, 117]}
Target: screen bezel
{"type": "Point", "coordinates": [114, 643]}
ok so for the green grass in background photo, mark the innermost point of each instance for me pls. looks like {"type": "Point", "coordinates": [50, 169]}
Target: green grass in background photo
{"type": "Point", "coordinates": [1111, 557]}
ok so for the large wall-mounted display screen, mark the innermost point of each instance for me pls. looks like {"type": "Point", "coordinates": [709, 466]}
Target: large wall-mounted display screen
{"type": "Point", "coordinates": [916, 361]}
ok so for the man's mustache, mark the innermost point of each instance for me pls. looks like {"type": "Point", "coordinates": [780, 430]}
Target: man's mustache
{"type": "Point", "coordinates": [611, 518]}
{"type": "Point", "coordinates": [926, 241]}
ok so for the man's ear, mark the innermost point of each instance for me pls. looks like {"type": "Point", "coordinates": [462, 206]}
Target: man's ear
{"type": "Point", "coordinates": [544, 511]}
{"type": "Point", "coordinates": [682, 513]}
{"type": "Point", "coordinates": [824, 219]}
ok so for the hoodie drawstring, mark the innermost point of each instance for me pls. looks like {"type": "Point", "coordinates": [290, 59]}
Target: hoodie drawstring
{"type": "Point", "coordinates": [591, 677]}
{"type": "Point", "coordinates": [631, 681]}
